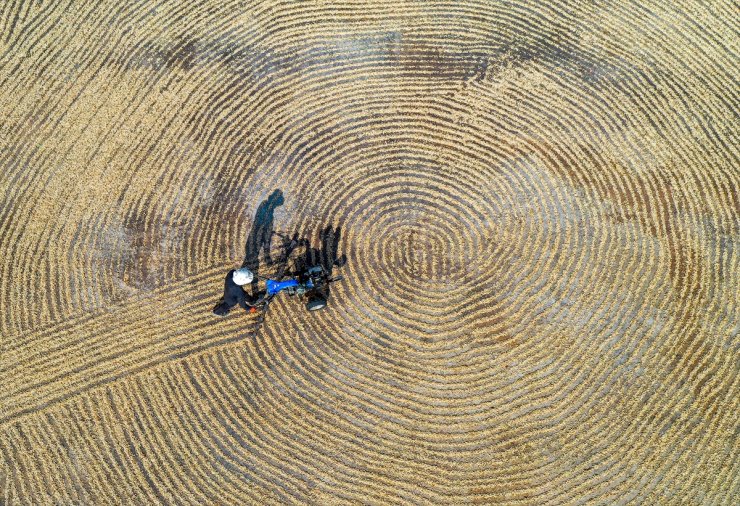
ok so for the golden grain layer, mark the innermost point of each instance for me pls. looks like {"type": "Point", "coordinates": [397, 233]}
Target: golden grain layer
{"type": "Point", "coordinates": [539, 203]}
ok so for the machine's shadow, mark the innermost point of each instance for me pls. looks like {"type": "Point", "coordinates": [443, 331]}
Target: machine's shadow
{"type": "Point", "coordinates": [326, 255]}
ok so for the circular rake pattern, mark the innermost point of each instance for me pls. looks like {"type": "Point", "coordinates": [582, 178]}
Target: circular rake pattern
{"type": "Point", "coordinates": [539, 207]}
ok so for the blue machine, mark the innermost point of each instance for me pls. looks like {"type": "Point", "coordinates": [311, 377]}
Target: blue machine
{"type": "Point", "coordinates": [274, 287]}
{"type": "Point", "coordinates": [312, 285]}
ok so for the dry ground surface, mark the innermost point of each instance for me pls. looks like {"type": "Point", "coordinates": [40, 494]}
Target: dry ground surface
{"type": "Point", "coordinates": [538, 202]}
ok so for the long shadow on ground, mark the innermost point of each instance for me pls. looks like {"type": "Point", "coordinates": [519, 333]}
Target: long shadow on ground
{"type": "Point", "coordinates": [260, 236]}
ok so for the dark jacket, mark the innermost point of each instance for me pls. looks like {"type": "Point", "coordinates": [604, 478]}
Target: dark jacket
{"type": "Point", "coordinates": [233, 293]}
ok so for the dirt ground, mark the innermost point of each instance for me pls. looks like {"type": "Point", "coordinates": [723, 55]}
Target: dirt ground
{"type": "Point", "coordinates": [539, 207]}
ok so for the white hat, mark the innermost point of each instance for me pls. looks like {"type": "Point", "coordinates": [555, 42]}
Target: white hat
{"type": "Point", "coordinates": [242, 276]}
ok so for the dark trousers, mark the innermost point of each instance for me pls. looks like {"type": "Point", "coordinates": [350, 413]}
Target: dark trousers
{"type": "Point", "coordinates": [222, 308]}
{"type": "Point", "coordinates": [225, 305]}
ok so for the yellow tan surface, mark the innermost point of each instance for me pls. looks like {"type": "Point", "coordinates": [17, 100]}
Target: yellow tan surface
{"type": "Point", "coordinates": [540, 207]}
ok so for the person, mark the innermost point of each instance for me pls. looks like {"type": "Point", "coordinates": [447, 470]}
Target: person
{"type": "Point", "coordinates": [233, 292]}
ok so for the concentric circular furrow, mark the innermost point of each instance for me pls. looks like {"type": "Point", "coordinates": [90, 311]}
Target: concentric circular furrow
{"type": "Point", "coordinates": [539, 208]}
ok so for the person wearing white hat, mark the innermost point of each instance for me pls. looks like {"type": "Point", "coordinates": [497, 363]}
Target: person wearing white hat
{"type": "Point", "coordinates": [233, 292]}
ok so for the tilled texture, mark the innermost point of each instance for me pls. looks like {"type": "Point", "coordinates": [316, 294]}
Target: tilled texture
{"type": "Point", "coordinates": [539, 206]}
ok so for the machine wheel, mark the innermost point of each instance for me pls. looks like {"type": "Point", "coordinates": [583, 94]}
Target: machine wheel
{"type": "Point", "coordinates": [316, 302]}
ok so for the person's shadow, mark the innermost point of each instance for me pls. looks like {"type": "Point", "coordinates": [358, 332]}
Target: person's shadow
{"type": "Point", "coordinates": [260, 237]}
